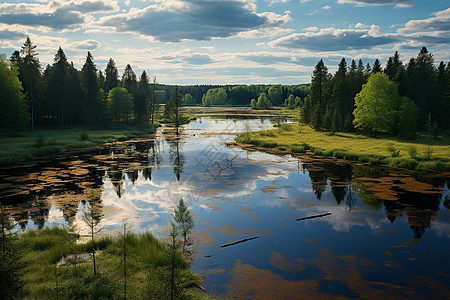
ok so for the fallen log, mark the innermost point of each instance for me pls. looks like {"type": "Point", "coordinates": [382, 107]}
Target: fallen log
{"type": "Point", "coordinates": [313, 217]}
{"type": "Point", "coordinates": [238, 242]}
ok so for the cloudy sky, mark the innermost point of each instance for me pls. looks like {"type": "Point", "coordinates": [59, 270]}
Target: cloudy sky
{"type": "Point", "coordinates": [228, 41]}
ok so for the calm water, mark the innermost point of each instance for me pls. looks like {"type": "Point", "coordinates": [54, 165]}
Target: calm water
{"type": "Point", "coordinates": [388, 234]}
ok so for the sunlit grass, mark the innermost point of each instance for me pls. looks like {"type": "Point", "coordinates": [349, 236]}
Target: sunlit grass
{"type": "Point", "coordinates": [53, 265]}
{"type": "Point", "coordinates": [429, 154]}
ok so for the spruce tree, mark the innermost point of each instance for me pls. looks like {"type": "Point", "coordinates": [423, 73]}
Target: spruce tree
{"type": "Point", "coordinates": [90, 85]}
{"type": "Point", "coordinates": [31, 72]}
{"type": "Point", "coordinates": [315, 105]}
{"type": "Point", "coordinates": [129, 80]}
{"type": "Point", "coordinates": [111, 76]}
{"type": "Point", "coordinates": [184, 220]}
{"type": "Point", "coordinates": [142, 100]}
{"type": "Point", "coordinates": [58, 85]}
{"type": "Point", "coordinates": [376, 68]}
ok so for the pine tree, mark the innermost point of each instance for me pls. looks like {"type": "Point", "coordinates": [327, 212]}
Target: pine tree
{"type": "Point", "coordinates": [142, 99]}
{"type": "Point", "coordinates": [129, 80]}
{"type": "Point", "coordinates": [58, 85]}
{"type": "Point", "coordinates": [90, 85]}
{"type": "Point", "coordinates": [185, 223]}
{"type": "Point", "coordinates": [442, 82]}
{"type": "Point", "coordinates": [376, 68]}
{"type": "Point", "coordinates": [112, 76]}
{"type": "Point", "coordinates": [31, 72]}
{"type": "Point", "coordinates": [172, 108]}
{"type": "Point", "coordinates": [11, 267]}
{"type": "Point", "coordinates": [315, 105]}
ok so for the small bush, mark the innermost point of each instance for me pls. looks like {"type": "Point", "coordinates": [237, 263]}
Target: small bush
{"type": "Point", "coordinates": [428, 153]}
{"type": "Point", "coordinates": [404, 162]}
{"type": "Point", "coordinates": [286, 127]}
{"type": "Point", "coordinates": [392, 150]}
{"type": "Point", "coordinates": [412, 152]}
{"type": "Point", "coordinates": [434, 166]}
{"type": "Point", "coordinates": [364, 158]}
{"type": "Point", "coordinates": [298, 149]}
{"type": "Point", "coordinates": [39, 141]}
{"type": "Point", "coordinates": [351, 156]}
{"type": "Point", "coordinates": [374, 160]}
{"type": "Point", "coordinates": [282, 148]}
{"type": "Point", "coordinates": [84, 136]}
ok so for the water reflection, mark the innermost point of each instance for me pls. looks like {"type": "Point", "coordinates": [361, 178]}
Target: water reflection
{"type": "Point", "coordinates": [235, 194]}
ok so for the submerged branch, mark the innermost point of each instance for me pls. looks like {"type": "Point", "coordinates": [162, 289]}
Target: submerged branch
{"type": "Point", "coordinates": [238, 242]}
{"type": "Point", "coordinates": [313, 217]}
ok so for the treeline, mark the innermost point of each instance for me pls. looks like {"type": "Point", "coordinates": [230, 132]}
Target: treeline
{"type": "Point", "coordinates": [239, 95]}
{"type": "Point", "coordinates": [330, 105]}
{"type": "Point", "coordinates": [60, 95]}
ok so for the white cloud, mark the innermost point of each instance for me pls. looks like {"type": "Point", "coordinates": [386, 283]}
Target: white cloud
{"type": "Point", "coordinates": [397, 3]}
{"type": "Point", "coordinates": [440, 22]}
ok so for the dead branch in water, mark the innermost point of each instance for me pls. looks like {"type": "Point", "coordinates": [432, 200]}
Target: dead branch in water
{"type": "Point", "coordinates": [313, 217]}
{"type": "Point", "coordinates": [241, 241]}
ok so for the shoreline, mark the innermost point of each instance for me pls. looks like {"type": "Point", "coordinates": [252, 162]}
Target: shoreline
{"type": "Point", "coordinates": [288, 139]}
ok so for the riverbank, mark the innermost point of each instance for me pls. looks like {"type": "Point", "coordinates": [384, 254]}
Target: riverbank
{"type": "Point", "coordinates": [425, 154]}
{"type": "Point", "coordinates": [31, 145]}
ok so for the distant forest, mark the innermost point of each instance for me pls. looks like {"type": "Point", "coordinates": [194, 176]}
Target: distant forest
{"type": "Point", "coordinates": [401, 99]}
{"type": "Point", "coordinates": [60, 95]}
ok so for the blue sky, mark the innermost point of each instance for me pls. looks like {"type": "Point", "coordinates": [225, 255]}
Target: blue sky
{"type": "Point", "coordinates": [227, 42]}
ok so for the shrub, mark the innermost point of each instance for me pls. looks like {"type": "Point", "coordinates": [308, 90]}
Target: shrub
{"type": "Point", "coordinates": [39, 141]}
{"type": "Point", "coordinates": [404, 162]}
{"type": "Point", "coordinates": [392, 150]}
{"type": "Point", "coordinates": [412, 151]}
{"type": "Point", "coordinates": [428, 153]}
{"type": "Point", "coordinates": [84, 136]}
{"type": "Point", "coordinates": [298, 149]}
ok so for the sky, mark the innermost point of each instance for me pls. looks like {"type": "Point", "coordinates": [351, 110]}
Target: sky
{"type": "Point", "coordinates": [228, 41]}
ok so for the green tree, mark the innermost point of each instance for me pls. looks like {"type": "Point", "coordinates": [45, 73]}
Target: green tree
{"type": "Point", "coordinates": [31, 73]}
{"type": "Point", "coordinates": [129, 80]}
{"type": "Point", "coordinates": [185, 222]}
{"type": "Point", "coordinates": [11, 267]}
{"type": "Point", "coordinates": [314, 107]}
{"type": "Point", "coordinates": [142, 100]}
{"type": "Point", "coordinates": [377, 105]}
{"type": "Point", "coordinates": [290, 102]}
{"type": "Point", "coordinates": [91, 217]}
{"type": "Point", "coordinates": [189, 100]}
{"type": "Point", "coordinates": [275, 94]}
{"type": "Point", "coordinates": [14, 114]}
{"type": "Point", "coordinates": [172, 108]}
{"type": "Point", "coordinates": [215, 97]}
{"type": "Point", "coordinates": [58, 86]}
{"type": "Point", "coordinates": [120, 104]}
{"type": "Point", "coordinates": [111, 76]}
{"type": "Point", "coordinates": [90, 86]}
{"type": "Point", "coordinates": [253, 104]}
{"type": "Point", "coordinates": [376, 68]}
{"type": "Point", "coordinates": [263, 101]}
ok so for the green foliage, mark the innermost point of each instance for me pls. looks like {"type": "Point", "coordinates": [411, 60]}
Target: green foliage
{"type": "Point", "coordinates": [428, 154]}
{"type": "Point", "coordinates": [184, 220]}
{"type": "Point", "coordinates": [14, 114]}
{"type": "Point", "coordinates": [189, 100]}
{"type": "Point", "coordinates": [215, 97]}
{"type": "Point", "coordinates": [120, 105]}
{"type": "Point", "coordinates": [392, 150]}
{"type": "Point", "coordinates": [253, 104]}
{"type": "Point", "coordinates": [263, 102]}
{"type": "Point", "coordinates": [275, 94]}
{"type": "Point", "coordinates": [377, 105]}
{"type": "Point", "coordinates": [39, 141]}
{"type": "Point", "coordinates": [412, 152]}
{"type": "Point", "coordinates": [84, 136]}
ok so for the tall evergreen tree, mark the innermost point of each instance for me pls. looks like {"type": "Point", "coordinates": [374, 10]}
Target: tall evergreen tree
{"type": "Point", "coordinates": [74, 109]}
{"type": "Point", "coordinates": [338, 111]}
{"type": "Point", "coordinates": [129, 80]}
{"type": "Point", "coordinates": [101, 80]}
{"type": "Point", "coordinates": [111, 76]}
{"type": "Point", "coordinates": [90, 85]}
{"type": "Point", "coordinates": [31, 72]}
{"type": "Point", "coordinates": [442, 107]}
{"type": "Point", "coordinates": [422, 85]}
{"type": "Point", "coordinates": [315, 104]}
{"type": "Point", "coordinates": [58, 85]}
{"type": "Point", "coordinates": [392, 65]}
{"type": "Point", "coordinates": [376, 68]}
{"type": "Point", "coordinates": [172, 108]}
{"type": "Point", "coordinates": [142, 100]}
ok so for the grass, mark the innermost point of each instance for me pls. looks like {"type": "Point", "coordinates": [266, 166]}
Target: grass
{"type": "Point", "coordinates": [50, 267]}
{"type": "Point", "coordinates": [423, 154]}
{"type": "Point", "coordinates": [42, 142]}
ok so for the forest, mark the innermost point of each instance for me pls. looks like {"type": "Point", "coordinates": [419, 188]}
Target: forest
{"type": "Point", "coordinates": [399, 99]}
{"type": "Point", "coordinates": [60, 95]}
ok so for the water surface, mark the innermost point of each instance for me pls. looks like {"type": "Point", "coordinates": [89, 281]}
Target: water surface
{"type": "Point", "coordinates": [388, 234]}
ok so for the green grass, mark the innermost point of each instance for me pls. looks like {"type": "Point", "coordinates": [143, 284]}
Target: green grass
{"type": "Point", "coordinates": [42, 142]}
{"type": "Point", "coordinates": [49, 255]}
{"type": "Point", "coordinates": [425, 153]}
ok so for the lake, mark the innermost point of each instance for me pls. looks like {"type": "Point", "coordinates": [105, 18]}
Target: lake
{"type": "Point", "coordinates": [374, 231]}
